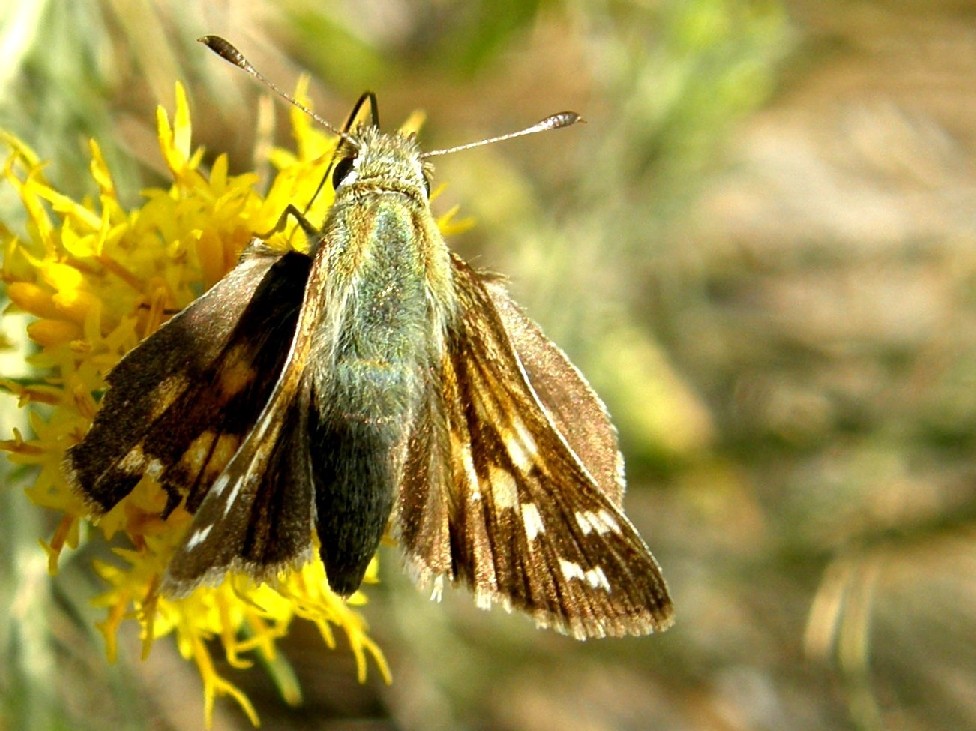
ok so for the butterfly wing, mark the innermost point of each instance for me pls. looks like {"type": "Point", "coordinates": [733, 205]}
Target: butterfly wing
{"type": "Point", "coordinates": [257, 516]}
{"type": "Point", "coordinates": [570, 403]}
{"type": "Point", "coordinates": [518, 516]}
{"type": "Point", "coordinates": [179, 404]}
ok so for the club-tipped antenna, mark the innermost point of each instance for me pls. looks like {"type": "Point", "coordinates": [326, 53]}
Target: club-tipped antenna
{"type": "Point", "coordinates": [227, 51]}
{"type": "Point", "coordinates": [554, 121]}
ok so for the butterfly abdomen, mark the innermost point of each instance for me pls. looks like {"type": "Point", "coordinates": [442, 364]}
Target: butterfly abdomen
{"type": "Point", "coordinates": [353, 473]}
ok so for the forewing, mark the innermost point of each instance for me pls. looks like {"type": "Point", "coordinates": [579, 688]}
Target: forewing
{"type": "Point", "coordinates": [257, 516]}
{"type": "Point", "coordinates": [180, 403]}
{"type": "Point", "coordinates": [527, 524]}
{"type": "Point", "coordinates": [571, 404]}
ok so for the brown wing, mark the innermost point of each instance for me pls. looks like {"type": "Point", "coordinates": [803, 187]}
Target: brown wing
{"type": "Point", "coordinates": [523, 519]}
{"type": "Point", "coordinates": [571, 404]}
{"type": "Point", "coordinates": [257, 516]}
{"type": "Point", "coordinates": [179, 404]}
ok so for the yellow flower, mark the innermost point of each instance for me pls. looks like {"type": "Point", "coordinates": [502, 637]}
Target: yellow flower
{"type": "Point", "coordinates": [97, 279]}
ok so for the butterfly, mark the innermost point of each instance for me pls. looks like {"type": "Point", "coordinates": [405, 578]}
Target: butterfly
{"type": "Point", "coordinates": [376, 385]}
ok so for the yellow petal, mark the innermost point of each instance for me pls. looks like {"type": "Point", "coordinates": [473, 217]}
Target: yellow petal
{"type": "Point", "coordinates": [48, 333]}
{"type": "Point", "coordinates": [174, 141]}
{"type": "Point", "coordinates": [75, 304]}
{"type": "Point", "coordinates": [181, 122]}
{"type": "Point", "coordinates": [31, 298]}
{"type": "Point", "coordinates": [66, 207]}
{"type": "Point", "coordinates": [99, 170]}
{"type": "Point", "coordinates": [63, 277]}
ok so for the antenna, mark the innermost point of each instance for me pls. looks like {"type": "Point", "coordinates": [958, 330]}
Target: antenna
{"type": "Point", "coordinates": [555, 121]}
{"type": "Point", "coordinates": [227, 51]}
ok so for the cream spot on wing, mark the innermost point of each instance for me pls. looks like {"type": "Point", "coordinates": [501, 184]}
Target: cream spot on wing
{"type": "Point", "coordinates": [583, 520]}
{"type": "Point", "coordinates": [197, 452]}
{"type": "Point", "coordinates": [470, 474]}
{"type": "Point", "coordinates": [198, 537]}
{"type": "Point", "coordinates": [223, 450]}
{"type": "Point", "coordinates": [521, 458]}
{"type": "Point", "coordinates": [237, 372]}
{"type": "Point", "coordinates": [504, 491]}
{"type": "Point", "coordinates": [608, 524]}
{"type": "Point", "coordinates": [486, 408]}
{"type": "Point", "coordinates": [526, 437]}
{"type": "Point", "coordinates": [166, 393]}
{"type": "Point", "coordinates": [532, 521]}
{"type": "Point", "coordinates": [134, 462]}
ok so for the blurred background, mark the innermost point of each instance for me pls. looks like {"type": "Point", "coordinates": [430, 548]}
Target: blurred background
{"type": "Point", "coordinates": [760, 249]}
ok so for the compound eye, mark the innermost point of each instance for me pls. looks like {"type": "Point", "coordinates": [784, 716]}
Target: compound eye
{"type": "Point", "coordinates": [341, 170]}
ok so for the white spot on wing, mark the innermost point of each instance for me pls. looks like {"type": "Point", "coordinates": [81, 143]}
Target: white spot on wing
{"type": "Point", "coordinates": [232, 498]}
{"type": "Point", "coordinates": [219, 485]}
{"type": "Point", "coordinates": [583, 520]}
{"type": "Point", "coordinates": [198, 537]}
{"type": "Point", "coordinates": [600, 521]}
{"type": "Point", "coordinates": [570, 569]}
{"type": "Point", "coordinates": [532, 521]}
{"type": "Point", "coordinates": [155, 469]}
{"type": "Point", "coordinates": [595, 577]}
{"type": "Point", "coordinates": [526, 437]}
{"type": "Point", "coordinates": [437, 589]}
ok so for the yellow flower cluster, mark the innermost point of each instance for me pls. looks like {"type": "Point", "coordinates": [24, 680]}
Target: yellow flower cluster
{"type": "Point", "coordinates": [97, 279]}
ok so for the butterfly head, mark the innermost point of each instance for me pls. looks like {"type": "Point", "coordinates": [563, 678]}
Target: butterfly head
{"type": "Point", "coordinates": [382, 161]}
